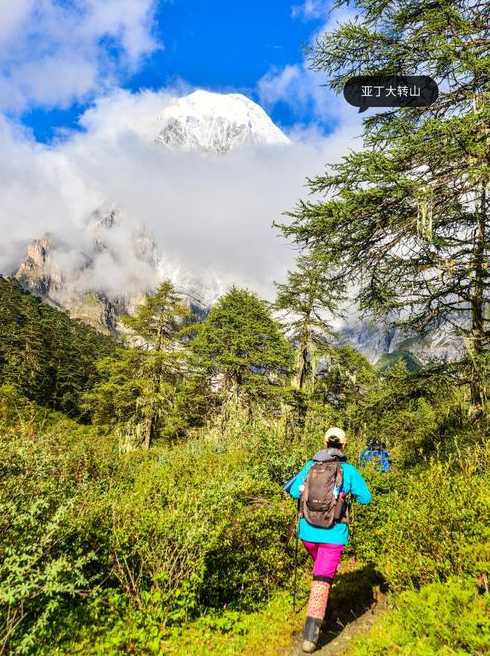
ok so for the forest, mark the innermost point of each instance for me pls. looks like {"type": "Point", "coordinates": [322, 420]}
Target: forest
{"type": "Point", "coordinates": [141, 501]}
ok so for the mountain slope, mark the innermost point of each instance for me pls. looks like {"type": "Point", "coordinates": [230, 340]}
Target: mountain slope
{"type": "Point", "coordinates": [43, 353]}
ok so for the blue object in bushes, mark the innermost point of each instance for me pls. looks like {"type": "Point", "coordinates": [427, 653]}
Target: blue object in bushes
{"type": "Point", "coordinates": [377, 452]}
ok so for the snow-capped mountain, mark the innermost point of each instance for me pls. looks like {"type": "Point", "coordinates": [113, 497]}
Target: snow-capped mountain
{"type": "Point", "coordinates": [118, 259]}
{"type": "Point", "coordinates": [215, 122]}
{"type": "Point", "coordinates": [210, 123]}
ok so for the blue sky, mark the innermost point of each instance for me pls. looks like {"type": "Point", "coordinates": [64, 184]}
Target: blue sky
{"type": "Point", "coordinates": [218, 45]}
{"type": "Point", "coordinates": [77, 135]}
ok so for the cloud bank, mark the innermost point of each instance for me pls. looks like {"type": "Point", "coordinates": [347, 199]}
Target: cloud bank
{"type": "Point", "coordinates": [54, 54]}
{"type": "Point", "coordinates": [211, 215]}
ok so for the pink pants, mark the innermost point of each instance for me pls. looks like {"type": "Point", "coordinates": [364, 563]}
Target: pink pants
{"type": "Point", "coordinates": [326, 559]}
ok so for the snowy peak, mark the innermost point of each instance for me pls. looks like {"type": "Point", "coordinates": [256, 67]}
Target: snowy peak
{"type": "Point", "coordinates": [216, 122]}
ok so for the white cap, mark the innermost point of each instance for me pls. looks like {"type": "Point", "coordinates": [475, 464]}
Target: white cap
{"type": "Point", "coordinates": [337, 433]}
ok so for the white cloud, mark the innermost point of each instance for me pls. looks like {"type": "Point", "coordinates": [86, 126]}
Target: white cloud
{"type": "Point", "coordinates": [211, 215]}
{"type": "Point", "coordinates": [276, 85]}
{"type": "Point", "coordinates": [302, 88]}
{"type": "Point", "coordinates": [123, 112]}
{"type": "Point", "coordinates": [54, 54]}
{"type": "Point", "coordinates": [311, 9]}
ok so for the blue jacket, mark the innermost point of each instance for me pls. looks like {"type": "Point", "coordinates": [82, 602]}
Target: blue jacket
{"type": "Point", "coordinates": [353, 483]}
{"type": "Point", "coordinates": [380, 456]}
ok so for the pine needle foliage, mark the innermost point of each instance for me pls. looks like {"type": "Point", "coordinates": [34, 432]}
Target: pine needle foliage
{"type": "Point", "coordinates": [242, 347]}
{"type": "Point", "coordinates": [406, 219]}
{"type": "Point", "coordinates": [138, 388]}
{"type": "Point", "coordinates": [307, 302]}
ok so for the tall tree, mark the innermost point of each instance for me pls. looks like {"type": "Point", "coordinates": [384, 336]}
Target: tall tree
{"type": "Point", "coordinates": [241, 341]}
{"type": "Point", "coordinates": [344, 379]}
{"type": "Point", "coordinates": [157, 321]}
{"type": "Point", "coordinates": [407, 217]}
{"type": "Point", "coordinates": [308, 300]}
{"type": "Point", "coordinates": [138, 387]}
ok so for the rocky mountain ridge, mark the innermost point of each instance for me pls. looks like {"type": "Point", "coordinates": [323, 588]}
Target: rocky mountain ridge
{"type": "Point", "coordinates": [40, 274]}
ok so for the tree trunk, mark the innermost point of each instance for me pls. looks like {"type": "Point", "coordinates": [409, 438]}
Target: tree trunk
{"type": "Point", "coordinates": [478, 305]}
{"type": "Point", "coordinates": [151, 423]}
{"type": "Point", "coordinates": [148, 434]}
{"type": "Point", "coordinates": [303, 358]}
{"type": "Point", "coordinates": [303, 367]}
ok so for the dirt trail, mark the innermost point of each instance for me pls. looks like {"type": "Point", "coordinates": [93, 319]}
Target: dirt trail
{"type": "Point", "coordinates": [355, 605]}
{"type": "Point", "coordinates": [335, 642]}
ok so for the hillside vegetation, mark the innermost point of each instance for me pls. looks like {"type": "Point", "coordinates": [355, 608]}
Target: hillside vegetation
{"type": "Point", "coordinates": [47, 356]}
{"type": "Point", "coordinates": [187, 546]}
{"type": "Point", "coordinates": [141, 502]}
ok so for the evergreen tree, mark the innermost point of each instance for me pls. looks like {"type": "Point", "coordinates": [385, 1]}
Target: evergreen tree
{"type": "Point", "coordinates": [308, 300]}
{"type": "Point", "coordinates": [158, 319]}
{"type": "Point", "coordinates": [407, 218]}
{"type": "Point", "coordinates": [344, 377]}
{"type": "Point", "coordinates": [241, 342]}
{"type": "Point", "coordinates": [139, 387]}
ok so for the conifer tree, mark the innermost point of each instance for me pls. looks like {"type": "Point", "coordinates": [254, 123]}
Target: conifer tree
{"type": "Point", "coordinates": [241, 341]}
{"type": "Point", "coordinates": [308, 300]}
{"type": "Point", "coordinates": [407, 218]}
{"type": "Point", "coordinates": [151, 389]}
{"type": "Point", "coordinates": [344, 378]}
{"type": "Point", "coordinates": [157, 321]}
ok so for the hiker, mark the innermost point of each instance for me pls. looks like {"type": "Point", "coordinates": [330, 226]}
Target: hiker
{"type": "Point", "coordinates": [323, 486]}
{"type": "Point", "coordinates": [376, 451]}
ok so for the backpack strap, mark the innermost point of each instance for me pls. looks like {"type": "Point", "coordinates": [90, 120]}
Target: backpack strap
{"type": "Point", "coordinates": [340, 476]}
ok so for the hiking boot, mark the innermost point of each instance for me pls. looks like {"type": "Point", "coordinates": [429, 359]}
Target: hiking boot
{"type": "Point", "coordinates": [311, 634]}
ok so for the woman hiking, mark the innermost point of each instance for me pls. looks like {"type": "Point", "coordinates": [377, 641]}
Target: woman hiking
{"type": "Point", "coordinates": [322, 487]}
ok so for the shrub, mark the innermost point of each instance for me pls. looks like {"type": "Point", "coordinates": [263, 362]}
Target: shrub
{"type": "Point", "coordinates": [450, 619]}
{"type": "Point", "coordinates": [172, 531]}
{"type": "Point", "coordinates": [431, 524]}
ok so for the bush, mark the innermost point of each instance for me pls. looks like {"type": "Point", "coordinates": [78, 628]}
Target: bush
{"type": "Point", "coordinates": [171, 532]}
{"type": "Point", "coordinates": [42, 566]}
{"type": "Point", "coordinates": [426, 525]}
{"type": "Point", "coordinates": [135, 545]}
{"type": "Point", "coordinates": [450, 619]}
